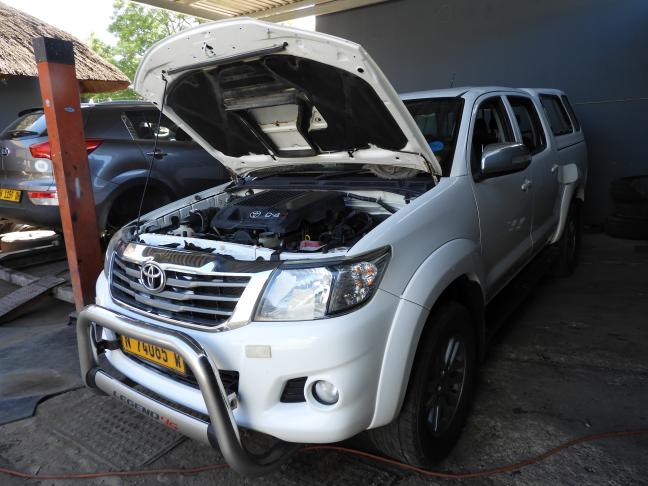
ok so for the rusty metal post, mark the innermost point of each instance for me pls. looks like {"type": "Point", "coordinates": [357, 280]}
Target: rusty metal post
{"type": "Point", "coordinates": [60, 92]}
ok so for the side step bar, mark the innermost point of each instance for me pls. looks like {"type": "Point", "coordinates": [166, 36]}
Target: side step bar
{"type": "Point", "coordinates": [222, 432]}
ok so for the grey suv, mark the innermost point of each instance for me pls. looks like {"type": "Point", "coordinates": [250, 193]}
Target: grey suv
{"type": "Point", "coordinates": [119, 139]}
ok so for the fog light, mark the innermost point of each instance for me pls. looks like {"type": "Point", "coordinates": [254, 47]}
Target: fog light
{"type": "Point", "coordinates": [325, 392]}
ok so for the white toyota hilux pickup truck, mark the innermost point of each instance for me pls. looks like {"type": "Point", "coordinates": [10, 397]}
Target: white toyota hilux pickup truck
{"type": "Point", "coordinates": [339, 283]}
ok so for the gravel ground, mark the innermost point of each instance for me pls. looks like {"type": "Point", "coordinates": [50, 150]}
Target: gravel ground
{"type": "Point", "coordinates": [571, 362]}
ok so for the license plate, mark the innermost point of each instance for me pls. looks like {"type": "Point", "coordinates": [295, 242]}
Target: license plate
{"type": "Point", "coordinates": [10, 195]}
{"type": "Point", "coordinates": [154, 354]}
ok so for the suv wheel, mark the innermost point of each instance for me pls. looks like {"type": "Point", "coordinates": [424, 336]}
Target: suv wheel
{"type": "Point", "coordinates": [124, 208]}
{"type": "Point", "coordinates": [439, 392]}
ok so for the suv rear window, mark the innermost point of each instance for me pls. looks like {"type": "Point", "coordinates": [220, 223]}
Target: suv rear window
{"type": "Point", "coordinates": [143, 123]}
{"type": "Point", "coordinates": [557, 115]}
{"type": "Point", "coordinates": [29, 125]}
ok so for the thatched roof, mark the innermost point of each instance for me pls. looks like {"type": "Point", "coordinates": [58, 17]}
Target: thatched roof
{"type": "Point", "coordinates": [17, 29]}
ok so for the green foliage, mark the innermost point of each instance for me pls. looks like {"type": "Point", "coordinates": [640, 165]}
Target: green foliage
{"type": "Point", "coordinates": [136, 28]}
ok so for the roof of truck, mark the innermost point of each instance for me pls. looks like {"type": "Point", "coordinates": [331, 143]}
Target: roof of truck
{"type": "Point", "coordinates": [475, 90]}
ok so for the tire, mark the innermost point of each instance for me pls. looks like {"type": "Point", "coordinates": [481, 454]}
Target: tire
{"type": "Point", "coordinates": [626, 228]}
{"type": "Point", "coordinates": [412, 437]}
{"type": "Point", "coordinates": [569, 244]}
{"type": "Point", "coordinates": [635, 210]}
{"type": "Point", "coordinates": [125, 207]}
{"type": "Point", "coordinates": [7, 227]}
{"type": "Point", "coordinates": [630, 189]}
{"type": "Point", "coordinates": [23, 240]}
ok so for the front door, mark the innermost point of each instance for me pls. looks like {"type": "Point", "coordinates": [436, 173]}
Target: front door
{"type": "Point", "coordinates": [504, 202]}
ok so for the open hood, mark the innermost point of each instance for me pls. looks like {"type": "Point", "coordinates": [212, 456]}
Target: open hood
{"type": "Point", "coordinates": [258, 95]}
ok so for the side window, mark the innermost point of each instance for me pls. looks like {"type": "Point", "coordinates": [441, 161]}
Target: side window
{"type": "Point", "coordinates": [570, 110]}
{"type": "Point", "coordinates": [104, 122]}
{"type": "Point", "coordinates": [492, 125]}
{"type": "Point", "coordinates": [528, 121]}
{"type": "Point", "coordinates": [143, 125]}
{"type": "Point", "coordinates": [557, 115]}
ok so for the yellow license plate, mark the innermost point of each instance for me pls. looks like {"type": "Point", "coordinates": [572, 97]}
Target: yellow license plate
{"type": "Point", "coordinates": [10, 195]}
{"type": "Point", "coordinates": [155, 354]}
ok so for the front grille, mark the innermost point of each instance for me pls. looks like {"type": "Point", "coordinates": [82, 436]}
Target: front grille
{"type": "Point", "coordinates": [206, 300]}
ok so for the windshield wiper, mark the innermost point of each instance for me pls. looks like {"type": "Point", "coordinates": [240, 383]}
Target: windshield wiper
{"type": "Point", "coordinates": [379, 202]}
{"type": "Point", "coordinates": [342, 173]}
{"type": "Point", "coordinates": [281, 171]}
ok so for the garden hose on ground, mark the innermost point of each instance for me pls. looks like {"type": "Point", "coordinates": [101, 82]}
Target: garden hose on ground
{"type": "Point", "coordinates": [424, 472]}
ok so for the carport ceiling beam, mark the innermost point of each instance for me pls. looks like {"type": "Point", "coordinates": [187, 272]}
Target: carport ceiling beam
{"type": "Point", "coordinates": [269, 10]}
{"type": "Point", "coordinates": [184, 7]}
{"type": "Point", "coordinates": [307, 8]}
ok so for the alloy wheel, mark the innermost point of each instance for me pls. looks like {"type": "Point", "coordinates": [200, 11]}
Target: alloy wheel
{"type": "Point", "coordinates": [446, 384]}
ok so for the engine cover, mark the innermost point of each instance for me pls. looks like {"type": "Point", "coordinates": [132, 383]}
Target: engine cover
{"type": "Point", "coordinates": [278, 211]}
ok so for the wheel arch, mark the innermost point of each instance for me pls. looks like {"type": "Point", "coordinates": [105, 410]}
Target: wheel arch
{"type": "Point", "coordinates": [456, 269]}
{"type": "Point", "coordinates": [572, 182]}
{"type": "Point", "coordinates": [468, 292]}
{"type": "Point", "coordinates": [154, 185]}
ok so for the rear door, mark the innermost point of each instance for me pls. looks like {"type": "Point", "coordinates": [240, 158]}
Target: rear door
{"type": "Point", "coordinates": [544, 168]}
{"type": "Point", "coordinates": [504, 202]}
{"type": "Point", "coordinates": [180, 162]}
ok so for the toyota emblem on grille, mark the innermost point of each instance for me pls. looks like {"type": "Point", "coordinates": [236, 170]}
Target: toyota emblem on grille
{"type": "Point", "coordinates": [153, 277]}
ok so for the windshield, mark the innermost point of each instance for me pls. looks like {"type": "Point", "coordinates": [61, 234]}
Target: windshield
{"type": "Point", "coordinates": [439, 120]}
{"type": "Point", "coordinates": [29, 125]}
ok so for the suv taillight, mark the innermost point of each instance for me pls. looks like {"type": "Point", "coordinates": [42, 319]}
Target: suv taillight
{"type": "Point", "coordinates": [43, 198]}
{"type": "Point", "coordinates": [43, 150]}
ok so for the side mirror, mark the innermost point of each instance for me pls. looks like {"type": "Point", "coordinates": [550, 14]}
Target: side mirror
{"type": "Point", "coordinates": [503, 158]}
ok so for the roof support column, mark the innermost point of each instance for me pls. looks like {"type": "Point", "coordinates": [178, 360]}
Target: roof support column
{"type": "Point", "coordinates": [60, 91]}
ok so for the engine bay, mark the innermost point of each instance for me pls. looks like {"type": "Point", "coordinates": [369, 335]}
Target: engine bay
{"type": "Point", "coordinates": [295, 221]}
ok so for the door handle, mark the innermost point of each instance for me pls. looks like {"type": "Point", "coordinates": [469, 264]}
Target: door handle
{"type": "Point", "coordinates": [554, 168]}
{"type": "Point", "coordinates": [158, 154]}
{"type": "Point", "coordinates": [526, 185]}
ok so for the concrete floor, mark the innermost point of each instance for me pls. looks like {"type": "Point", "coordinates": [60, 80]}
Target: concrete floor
{"type": "Point", "coordinates": [571, 362]}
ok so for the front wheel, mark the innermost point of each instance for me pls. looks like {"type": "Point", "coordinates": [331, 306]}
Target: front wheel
{"type": "Point", "coordinates": [439, 392]}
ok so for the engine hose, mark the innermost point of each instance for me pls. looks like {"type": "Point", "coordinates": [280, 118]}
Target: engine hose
{"type": "Point", "coordinates": [423, 472]}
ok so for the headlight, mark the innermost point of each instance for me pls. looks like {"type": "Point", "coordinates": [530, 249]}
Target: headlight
{"type": "Point", "coordinates": [110, 250]}
{"type": "Point", "coordinates": [310, 292]}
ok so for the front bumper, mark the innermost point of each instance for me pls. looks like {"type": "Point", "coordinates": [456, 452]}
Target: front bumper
{"type": "Point", "coordinates": [222, 430]}
{"type": "Point", "coordinates": [26, 212]}
{"type": "Point", "coordinates": [346, 350]}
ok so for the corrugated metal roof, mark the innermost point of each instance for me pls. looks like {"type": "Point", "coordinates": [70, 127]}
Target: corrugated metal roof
{"type": "Point", "coordinates": [271, 10]}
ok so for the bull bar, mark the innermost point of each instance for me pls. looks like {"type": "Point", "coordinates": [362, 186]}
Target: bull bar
{"type": "Point", "coordinates": [221, 432]}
